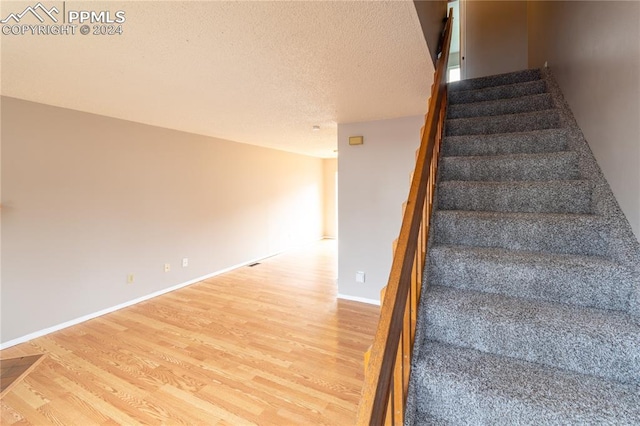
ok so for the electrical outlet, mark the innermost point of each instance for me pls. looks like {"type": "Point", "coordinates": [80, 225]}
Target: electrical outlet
{"type": "Point", "coordinates": [360, 277]}
{"type": "Point", "coordinates": [131, 279]}
{"type": "Point", "coordinates": [167, 267]}
{"type": "Point", "coordinates": [185, 262]}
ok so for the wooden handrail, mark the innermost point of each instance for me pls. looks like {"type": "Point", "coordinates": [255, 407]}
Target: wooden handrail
{"type": "Point", "coordinates": [389, 361]}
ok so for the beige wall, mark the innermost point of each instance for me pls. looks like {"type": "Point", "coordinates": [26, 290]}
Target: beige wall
{"type": "Point", "coordinates": [374, 182]}
{"type": "Point", "coordinates": [593, 49]}
{"type": "Point", "coordinates": [89, 199]}
{"type": "Point", "coordinates": [330, 168]}
{"type": "Point", "coordinates": [0, 218]}
{"type": "Point", "coordinates": [495, 37]}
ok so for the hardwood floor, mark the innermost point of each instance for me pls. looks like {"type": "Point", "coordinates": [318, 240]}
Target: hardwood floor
{"type": "Point", "coordinates": [13, 370]}
{"type": "Point", "coordinates": [265, 345]}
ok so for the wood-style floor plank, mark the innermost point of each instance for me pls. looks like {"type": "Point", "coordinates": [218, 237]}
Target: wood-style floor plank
{"type": "Point", "coordinates": [13, 370]}
{"type": "Point", "coordinates": [262, 345]}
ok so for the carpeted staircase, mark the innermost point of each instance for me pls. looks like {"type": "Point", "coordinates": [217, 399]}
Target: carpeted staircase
{"type": "Point", "coordinates": [531, 312]}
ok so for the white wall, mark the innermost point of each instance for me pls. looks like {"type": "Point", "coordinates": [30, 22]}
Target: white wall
{"type": "Point", "coordinates": [495, 37]}
{"type": "Point", "coordinates": [330, 168]}
{"type": "Point", "coordinates": [87, 200]}
{"type": "Point", "coordinates": [593, 49]}
{"type": "Point", "coordinates": [374, 182]}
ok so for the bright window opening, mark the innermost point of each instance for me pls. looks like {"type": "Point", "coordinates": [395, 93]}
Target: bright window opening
{"type": "Point", "coordinates": [454, 74]}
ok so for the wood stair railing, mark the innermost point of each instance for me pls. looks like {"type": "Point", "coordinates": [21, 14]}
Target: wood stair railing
{"type": "Point", "coordinates": [388, 362]}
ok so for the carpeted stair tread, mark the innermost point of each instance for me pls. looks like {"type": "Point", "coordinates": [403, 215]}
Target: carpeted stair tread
{"type": "Point", "coordinates": [511, 167]}
{"type": "Point", "coordinates": [425, 419]}
{"type": "Point", "coordinates": [528, 103]}
{"type": "Point", "coordinates": [469, 387]}
{"type": "Point", "coordinates": [589, 281]}
{"type": "Point", "coordinates": [557, 196]}
{"type": "Point", "coordinates": [523, 76]}
{"type": "Point", "coordinates": [583, 340]}
{"type": "Point", "coordinates": [523, 122]}
{"type": "Point", "coordinates": [497, 92]}
{"type": "Point", "coordinates": [551, 232]}
{"type": "Point", "coordinates": [536, 141]}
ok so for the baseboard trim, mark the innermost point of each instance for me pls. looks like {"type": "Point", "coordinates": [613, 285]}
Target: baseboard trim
{"type": "Point", "coordinates": [359, 299]}
{"type": "Point", "coordinates": [126, 304]}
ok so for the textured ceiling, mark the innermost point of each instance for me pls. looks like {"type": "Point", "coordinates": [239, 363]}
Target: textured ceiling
{"type": "Point", "coordinates": [262, 73]}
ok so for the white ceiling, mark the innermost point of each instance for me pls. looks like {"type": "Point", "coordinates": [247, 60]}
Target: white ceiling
{"type": "Point", "coordinates": [262, 73]}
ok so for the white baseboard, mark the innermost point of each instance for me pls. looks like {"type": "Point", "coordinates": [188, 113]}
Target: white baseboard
{"type": "Point", "coordinates": [359, 299]}
{"type": "Point", "coordinates": [92, 315]}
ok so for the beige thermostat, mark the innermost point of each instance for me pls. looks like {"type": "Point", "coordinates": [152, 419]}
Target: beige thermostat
{"type": "Point", "coordinates": [356, 140]}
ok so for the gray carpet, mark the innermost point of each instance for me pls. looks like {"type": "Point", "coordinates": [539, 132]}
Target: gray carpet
{"type": "Point", "coordinates": [531, 305]}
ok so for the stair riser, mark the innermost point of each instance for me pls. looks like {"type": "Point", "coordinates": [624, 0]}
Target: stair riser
{"type": "Point", "coordinates": [518, 143]}
{"type": "Point", "coordinates": [545, 197]}
{"type": "Point", "coordinates": [496, 80]}
{"type": "Point", "coordinates": [467, 387]}
{"type": "Point", "coordinates": [530, 335]}
{"type": "Point", "coordinates": [562, 166]}
{"type": "Point", "coordinates": [461, 406]}
{"type": "Point", "coordinates": [502, 107]}
{"type": "Point", "coordinates": [439, 396]}
{"type": "Point", "coordinates": [581, 285]}
{"type": "Point", "coordinates": [570, 235]}
{"type": "Point", "coordinates": [494, 93]}
{"type": "Point", "coordinates": [547, 119]}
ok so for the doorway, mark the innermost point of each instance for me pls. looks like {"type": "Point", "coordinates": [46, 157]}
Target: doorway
{"type": "Point", "coordinates": [456, 57]}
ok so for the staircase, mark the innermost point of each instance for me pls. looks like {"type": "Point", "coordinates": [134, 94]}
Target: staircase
{"type": "Point", "coordinates": [531, 313]}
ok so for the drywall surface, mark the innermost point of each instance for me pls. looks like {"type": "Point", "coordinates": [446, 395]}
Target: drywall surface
{"type": "Point", "coordinates": [329, 171]}
{"type": "Point", "coordinates": [495, 37]}
{"type": "Point", "coordinates": [0, 215]}
{"type": "Point", "coordinates": [373, 184]}
{"type": "Point", "coordinates": [431, 13]}
{"type": "Point", "coordinates": [262, 72]}
{"type": "Point", "coordinates": [593, 49]}
{"type": "Point", "coordinates": [88, 200]}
